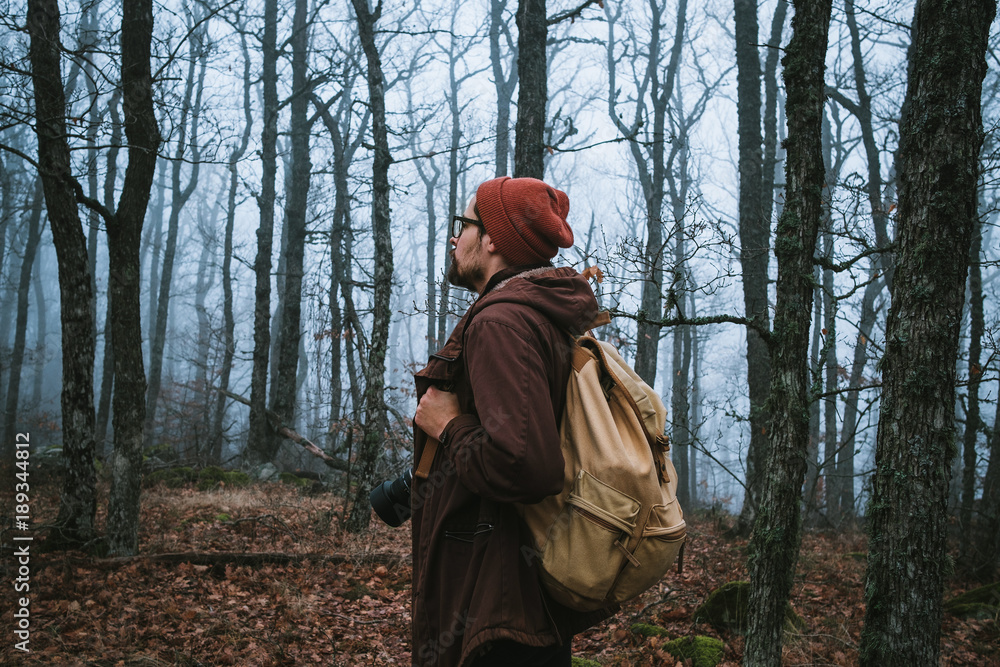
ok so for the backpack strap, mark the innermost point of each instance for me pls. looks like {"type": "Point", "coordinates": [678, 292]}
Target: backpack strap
{"type": "Point", "coordinates": [603, 317]}
{"type": "Point", "coordinates": [636, 395]}
{"type": "Point", "coordinates": [426, 458]}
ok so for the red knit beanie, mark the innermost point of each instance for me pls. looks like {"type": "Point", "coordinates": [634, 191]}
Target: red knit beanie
{"type": "Point", "coordinates": [525, 218]}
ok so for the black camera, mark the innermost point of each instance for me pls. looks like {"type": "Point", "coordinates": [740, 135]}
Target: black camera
{"type": "Point", "coordinates": [391, 499]}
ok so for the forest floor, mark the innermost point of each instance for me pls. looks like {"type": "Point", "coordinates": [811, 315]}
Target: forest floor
{"type": "Point", "coordinates": [326, 597]}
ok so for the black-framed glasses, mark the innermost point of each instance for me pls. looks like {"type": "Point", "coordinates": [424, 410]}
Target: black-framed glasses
{"type": "Point", "coordinates": [458, 222]}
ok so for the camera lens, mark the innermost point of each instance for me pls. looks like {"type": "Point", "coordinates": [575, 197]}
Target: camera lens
{"type": "Point", "coordinates": [391, 499]}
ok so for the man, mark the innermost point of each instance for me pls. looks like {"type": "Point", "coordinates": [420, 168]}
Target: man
{"type": "Point", "coordinates": [488, 416]}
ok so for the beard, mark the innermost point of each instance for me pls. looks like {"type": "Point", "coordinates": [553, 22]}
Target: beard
{"type": "Point", "coordinates": [467, 275]}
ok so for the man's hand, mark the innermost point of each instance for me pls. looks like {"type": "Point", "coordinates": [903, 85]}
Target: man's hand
{"type": "Point", "coordinates": [435, 410]}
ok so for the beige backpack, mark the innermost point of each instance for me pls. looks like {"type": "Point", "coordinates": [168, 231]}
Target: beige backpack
{"type": "Point", "coordinates": [616, 528]}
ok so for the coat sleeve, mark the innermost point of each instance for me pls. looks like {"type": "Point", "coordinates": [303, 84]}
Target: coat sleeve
{"type": "Point", "coordinates": [510, 452]}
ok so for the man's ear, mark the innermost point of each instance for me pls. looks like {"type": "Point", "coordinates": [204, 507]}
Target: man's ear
{"type": "Point", "coordinates": [488, 244]}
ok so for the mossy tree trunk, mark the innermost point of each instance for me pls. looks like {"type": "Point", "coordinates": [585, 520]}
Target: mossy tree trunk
{"type": "Point", "coordinates": [774, 543]}
{"type": "Point", "coordinates": [940, 138]}
{"type": "Point", "coordinates": [78, 500]}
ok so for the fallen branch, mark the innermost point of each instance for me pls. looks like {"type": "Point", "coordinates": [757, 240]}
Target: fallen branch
{"type": "Point", "coordinates": [285, 432]}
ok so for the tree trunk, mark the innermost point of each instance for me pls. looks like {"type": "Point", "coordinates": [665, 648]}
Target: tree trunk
{"type": "Point", "coordinates": [532, 95]}
{"type": "Point", "coordinates": [680, 405]}
{"type": "Point", "coordinates": [229, 320]}
{"type": "Point", "coordinates": [375, 422]}
{"type": "Point", "coordinates": [455, 110]}
{"type": "Point", "coordinates": [771, 162]}
{"type": "Point", "coordinates": [41, 334]}
{"type": "Point", "coordinates": [339, 233]}
{"type": "Point", "coordinates": [77, 503]}
{"type": "Point", "coordinates": [430, 181]}
{"type": "Point", "coordinates": [811, 502]}
{"type": "Point", "coordinates": [774, 543]}
{"type": "Point", "coordinates": [832, 481]}
{"type": "Point", "coordinates": [987, 555]}
{"type": "Point", "coordinates": [504, 84]}
{"type": "Point", "coordinates": [21, 326]}
{"type": "Point", "coordinates": [695, 404]}
{"type": "Point", "coordinates": [179, 198]}
{"type": "Point", "coordinates": [755, 238]}
{"type": "Point", "coordinates": [651, 169]}
{"type": "Point", "coordinates": [155, 238]}
{"type": "Point", "coordinates": [259, 437]}
{"type": "Point", "coordinates": [124, 237]}
{"type": "Point", "coordinates": [108, 365]}
{"type": "Point", "coordinates": [845, 449]}
{"type": "Point", "coordinates": [880, 214]}
{"type": "Point", "coordinates": [206, 277]}
{"type": "Point", "coordinates": [973, 422]}
{"type": "Point", "coordinates": [297, 189]}
{"type": "Point", "coordinates": [341, 243]}
{"type": "Point", "coordinates": [940, 138]}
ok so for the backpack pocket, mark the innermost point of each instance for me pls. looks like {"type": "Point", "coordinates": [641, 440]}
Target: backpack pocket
{"type": "Point", "coordinates": [655, 552]}
{"type": "Point", "coordinates": [586, 545]}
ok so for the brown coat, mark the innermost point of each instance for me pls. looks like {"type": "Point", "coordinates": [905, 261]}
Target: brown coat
{"type": "Point", "coordinates": [474, 580]}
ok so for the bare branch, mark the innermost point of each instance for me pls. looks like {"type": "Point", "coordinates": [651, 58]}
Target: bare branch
{"type": "Point", "coordinates": [573, 14]}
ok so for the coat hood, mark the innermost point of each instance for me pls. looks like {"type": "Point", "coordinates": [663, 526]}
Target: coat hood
{"type": "Point", "coordinates": [561, 294]}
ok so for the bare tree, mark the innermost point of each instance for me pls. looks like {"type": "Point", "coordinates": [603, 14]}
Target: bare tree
{"type": "Point", "coordinates": [229, 320]}
{"type": "Point", "coordinates": [940, 138]}
{"type": "Point", "coordinates": [180, 194]}
{"type": "Point", "coordinates": [375, 422]}
{"type": "Point", "coordinates": [108, 365]}
{"type": "Point", "coordinates": [755, 244]}
{"type": "Point", "coordinates": [774, 543]}
{"type": "Point", "coordinates": [77, 504]}
{"type": "Point", "coordinates": [973, 422]}
{"type": "Point", "coordinates": [297, 181]}
{"type": "Point", "coordinates": [532, 95]}
{"type": "Point", "coordinates": [650, 164]}
{"type": "Point", "coordinates": [988, 532]}
{"type": "Point", "coordinates": [504, 83]}
{"type": "Point", "coordinates": [259, 438]}
{"type": "Point", "coordinates": [124, 236]}
{"type": "Point", "coordinates": [21, 327]}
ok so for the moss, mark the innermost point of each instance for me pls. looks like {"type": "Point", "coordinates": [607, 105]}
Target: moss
{"type": "Point", "coordinates": [171, 477]}
{"type": "Point", "coordinates": [211, 473]}
{"type": "Point", "coordinates": [213, 476]}
{"type": "Point", "coordinates": [647, 630]}
{"type": "Point", "coordinates": [726, 609]}
{"type": "Point", "coordinates": [222, 517]}
{"type": "Point", "coordinates": [236, 478]}
{"type": "Point", "coordinates": [295, 480]}
{"type": "Point", "coordinates": [976, 610]}
{"type": "Point", "coordinates": [583, 662]}
{"type": "Point", "coordinates": [163, 452]}
{"type": "Point", "coordinates": [701, 650]}
{"type": "Point", "coordinates": [978, 601]}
